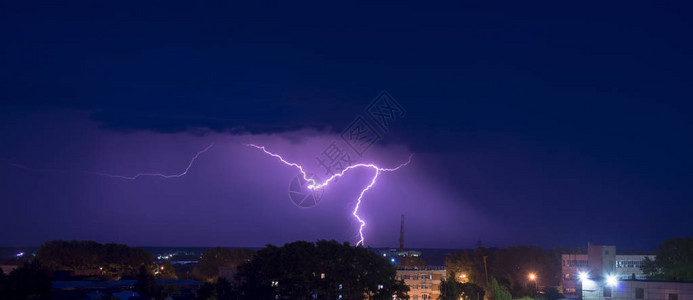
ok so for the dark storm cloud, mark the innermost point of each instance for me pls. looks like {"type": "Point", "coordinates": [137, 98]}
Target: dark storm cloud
{"type": "Point", "coordinates": [247, 68]}
{"type": "Point", "coordinates": [234, 117]}
{"type": "Point", "coordinates": [547, 72]}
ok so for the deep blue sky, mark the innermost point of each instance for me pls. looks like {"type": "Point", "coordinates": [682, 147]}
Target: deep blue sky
{"type": "Point", "coordinates": [550, 123]}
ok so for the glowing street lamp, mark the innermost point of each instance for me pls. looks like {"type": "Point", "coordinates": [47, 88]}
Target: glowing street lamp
{"type": "Point", "coordinates": [533, 277]}
{"type": "Point", "coordinates": [611, 280]}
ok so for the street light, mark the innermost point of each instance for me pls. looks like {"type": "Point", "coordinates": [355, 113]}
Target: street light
{"type": "Point", "coordinates": [583, 276]}
{"type": "Point", "coordinates": [533, 277]}
{"type": "Point", "coordinates": [611, 280]}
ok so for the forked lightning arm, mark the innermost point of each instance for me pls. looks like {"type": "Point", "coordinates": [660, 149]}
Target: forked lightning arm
{"type": "Point", "coordinates": [317, 185]}
{"type": "Point", "coordinates": [192, 161]}
{"type": "Point", "coordinates": [313, 185]}
{"type": "Point", "coordinates": [190, 164]}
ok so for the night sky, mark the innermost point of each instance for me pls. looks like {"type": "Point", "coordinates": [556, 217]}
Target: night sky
{"type": "Point", "coordinates": [552, 123]}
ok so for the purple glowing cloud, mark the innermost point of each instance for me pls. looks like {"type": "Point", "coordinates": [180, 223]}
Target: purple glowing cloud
{"type": "Point", "coordinates": [313, 185]}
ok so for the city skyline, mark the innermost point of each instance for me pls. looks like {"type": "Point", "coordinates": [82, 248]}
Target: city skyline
{"type": "Point", "coordinates": [550, 124]}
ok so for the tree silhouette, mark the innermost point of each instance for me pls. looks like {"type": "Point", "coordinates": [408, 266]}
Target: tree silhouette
{"type": "Point", "coordinates": [450, 289]}
{"type": "Point", "coordinates": [146, 284]}
{"type": "Point", "coordinates": [673, 261]}
{"type": "Point", "coordinates": [167, 271]}
{"type": "Point", "coordinates": [116, 260]}
{"type": "Point", "coordinates": [208, 265]}
{"type": "Point", "coordinates": [326, 270]}
{"type": "Point", "coordinates": [30, 281]}
{"type": "Point", "coordinates": [222, 289]}
{"type": "Point", "coordinates": [497, 291]}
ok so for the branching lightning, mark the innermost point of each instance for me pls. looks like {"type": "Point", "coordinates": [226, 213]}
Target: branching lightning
{"type": "Point", "coordinates": [313, 185]}
{"type": "Point", "coordinates": [190, 164]}
{"type": "Point", "coordinates": [181, 174]}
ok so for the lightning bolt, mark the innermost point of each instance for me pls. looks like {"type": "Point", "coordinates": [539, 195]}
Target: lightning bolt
{"type": "Point", "coordinates": [313, 185]}
{"type": "Point", "coordinates": [190, 164]}
{"type": "Point", "coordinates": [181, 174]}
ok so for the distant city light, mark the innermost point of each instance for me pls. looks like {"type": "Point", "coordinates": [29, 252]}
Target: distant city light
{"type": "Point", "coordinates": [392, 260]}
{"type": "Point", "coordinates": [611, 280]}
{"type": "Point", "coordinates": [583, 276]}
{"type": "Point", "coordinates": [20, 254]}
{"type": "Point", "coordinates": [532, 276]}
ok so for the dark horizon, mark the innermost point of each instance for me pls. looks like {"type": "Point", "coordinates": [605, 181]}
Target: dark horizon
{"type": "Point", "coordinates": [619, 249]}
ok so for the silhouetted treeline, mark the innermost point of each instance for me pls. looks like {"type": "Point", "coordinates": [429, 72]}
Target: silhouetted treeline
{"type": "Point", "coordinates": [30, 281]}
{"type": "Point", "coordinates": [510, 267]}
{"type": "Point", "coordinates": [326, 269]}
{"type": "Point", "coordinates": [673, 261]}
{"type": "Point", "coordinates": [111, 260]}
{"type": "Point", "coordinates": [212, 259]}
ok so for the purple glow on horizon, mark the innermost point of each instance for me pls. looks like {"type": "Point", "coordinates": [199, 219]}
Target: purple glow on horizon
{"type": "Point", "coordinates": [315, 185]}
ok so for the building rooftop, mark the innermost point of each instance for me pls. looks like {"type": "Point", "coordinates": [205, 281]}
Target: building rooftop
{"type": "Point", "coordinates": [426, 268]}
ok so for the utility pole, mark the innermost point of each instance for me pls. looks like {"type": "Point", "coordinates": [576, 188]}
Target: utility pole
{"type": "Point", "coordinates": [486, 270]}
{"type": "Point", "coordinates": [401, 235]}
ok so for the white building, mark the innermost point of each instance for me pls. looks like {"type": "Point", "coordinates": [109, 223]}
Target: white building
{"type": "Point", "coordinates": [423, 282]}
{"type": "Point", "coordinates": [598, 261]}
{"type": "Point", "coordinates": [598, 289]}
